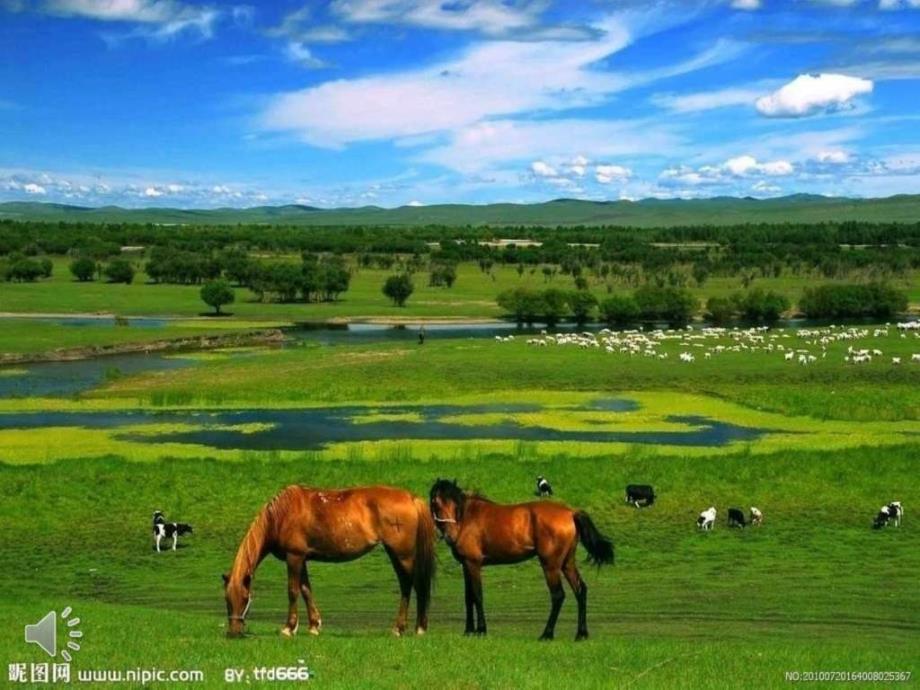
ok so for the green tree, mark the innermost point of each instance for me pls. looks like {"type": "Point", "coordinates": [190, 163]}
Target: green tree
{"type": "Point", "coordinates": [83, 269]}
{"type": "Point", "coordinates": [398, 288]}
{"type": "Point", "coordinates": [620, 310]}
{"type": "Point", "coordinates": [217, 293]}
{"type": "Point", "coordinates": [120, 271]}
{"type": "Point", "coordinates": [582, 303]}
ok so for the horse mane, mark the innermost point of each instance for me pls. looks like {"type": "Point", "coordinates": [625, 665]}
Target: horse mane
{"type": "Point", "coordinates": [262, 529]}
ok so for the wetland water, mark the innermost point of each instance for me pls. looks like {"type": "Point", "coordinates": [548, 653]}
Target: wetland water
{"type": "Point", "coordinates": [316, 428]}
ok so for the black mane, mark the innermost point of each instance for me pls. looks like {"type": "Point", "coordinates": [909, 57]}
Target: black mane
{"type": "Point", "coordinates": [447, 489]}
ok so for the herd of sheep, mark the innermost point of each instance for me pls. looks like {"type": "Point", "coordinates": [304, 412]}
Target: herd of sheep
{"type": "Point", "coordinates": [804, 346]}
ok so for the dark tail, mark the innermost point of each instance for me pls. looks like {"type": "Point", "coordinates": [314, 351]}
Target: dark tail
{"type": "Point", "coordinates": [599, 547]}
{"type": "Point", "coordinates": [183, 528]}
{"type": "Point", "coordinates": [425, 556]}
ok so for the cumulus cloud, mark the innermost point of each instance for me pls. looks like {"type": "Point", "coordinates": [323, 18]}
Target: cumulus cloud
{"type": "Point", "coordinates": [734, 168]}
{"type": "Point", "coordinates": [606, 173]}
{"type": "Point", "coordinates": [32, 188]}
{"type": "Point", "coordinates": [543, 169]}
{"type": "Point", "coordinates": [810, 94]}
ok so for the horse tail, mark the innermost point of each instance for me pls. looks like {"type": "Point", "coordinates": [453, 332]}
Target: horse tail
{"type": "Point", "coordinates": [599, 547]}
{"type": "Point", "coordinates": [425, 538]}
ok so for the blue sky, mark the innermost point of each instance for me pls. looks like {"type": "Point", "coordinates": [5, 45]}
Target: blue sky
{"type": "Point", "coordinates": [392, 102]}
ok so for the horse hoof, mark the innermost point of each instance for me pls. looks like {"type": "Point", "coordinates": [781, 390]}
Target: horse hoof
{"type": "Point", "coordinates": [581, 636]}
{"type": "Point", "coordinates": [420, 631]}
{"type": "Point", "coordinates": [545, 637]}
{"type": "Point", "coordinates": [288, 632]}
{"type": "Point", "coordinates": [397, 632]}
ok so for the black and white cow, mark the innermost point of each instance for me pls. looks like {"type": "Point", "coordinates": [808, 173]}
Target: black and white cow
{"type": "Point", "coordinates": [543, 487]}
{"type": "Point", "coordinates": [707, 519]}
{"type": "Point", "coordinates": [168, 530]}
{"type": "Point", "coordinates": [736, 518]}
{"type": "Point", "coordinates": [893, 512]}
{"type": "Point", "coordinates": [640, 495]}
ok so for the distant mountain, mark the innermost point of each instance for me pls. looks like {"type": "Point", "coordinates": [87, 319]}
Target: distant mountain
{"type": "Point", "coordinates": [797, 208]}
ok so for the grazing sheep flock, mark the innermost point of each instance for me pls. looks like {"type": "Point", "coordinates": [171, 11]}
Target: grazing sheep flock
{"type": "Point", "coordinates": [804, 347]}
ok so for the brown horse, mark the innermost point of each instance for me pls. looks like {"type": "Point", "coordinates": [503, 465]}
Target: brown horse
{"type": "Point", "coordinates": [480, 532]}
{"type": "Point", "coordinates": [302, 524]}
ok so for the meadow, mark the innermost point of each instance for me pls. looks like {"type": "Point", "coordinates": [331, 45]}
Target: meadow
{"type": "Point", "coordinates": [814, 589]}
{"type": "Point", "coordinates": [472, 296]}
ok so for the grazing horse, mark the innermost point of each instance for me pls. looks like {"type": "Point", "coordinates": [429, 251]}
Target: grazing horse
{"type": "Point", "coordinates": [302, 524]}
{"type": "Point", "coordinates": [480, 532]}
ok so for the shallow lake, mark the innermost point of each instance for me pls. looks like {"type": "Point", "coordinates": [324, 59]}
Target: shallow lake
{"type": "Point", "coordinates": [316, 428]}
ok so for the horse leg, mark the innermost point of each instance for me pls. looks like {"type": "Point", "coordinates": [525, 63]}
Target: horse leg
{"type": "Point", "coordinates": [404, 575]}
{"type": "Point", "coordinates": [294, 566]}
{"type": "Point", "coordinates": [475, 571]}
{"type": "Point", "coordinates": [580, 589]}
{"type": "Point", "coordinates": [468, 595]}
{"type": "Point", "coordinates": [313, 615]}
{"type": "Point", "coordinates": [556, 595]}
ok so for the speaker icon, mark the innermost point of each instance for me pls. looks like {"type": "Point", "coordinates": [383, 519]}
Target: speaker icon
{"type": "Point", "coordinates": [44, 633]}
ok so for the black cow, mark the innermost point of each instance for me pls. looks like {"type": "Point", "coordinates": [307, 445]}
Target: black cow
{"type": "Point", "coordinates": [640, 495]}
{"type": "Point", "coordinates": [736, 518]}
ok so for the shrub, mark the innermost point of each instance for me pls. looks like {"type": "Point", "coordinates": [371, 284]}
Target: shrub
{"type": "Point", "coordinates": [671, 304]}
{"type": "Point", "coordinates": [120, 271]}
{"type": "Point", "coordinates": [853, 301]}
{"type": "Point", "coordinates": [398, 288]}
{"type": "Point", "coordinates": [620, 310]}
{"type": "Point", "coordinates": [83, 269]}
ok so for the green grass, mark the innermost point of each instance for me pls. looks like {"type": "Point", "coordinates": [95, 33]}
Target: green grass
{"type": "Point", "coordinates": [473, 296]}
{"type": "Point", "coordinates": [20, 336]}
{"type": "Point", "coordinates": [448, 369]}
{"type": "Point", "coordinates": [815, 588]}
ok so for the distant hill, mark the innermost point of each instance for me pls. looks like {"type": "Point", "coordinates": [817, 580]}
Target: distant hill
{"type": "Point", "coordinates": [800, 208]}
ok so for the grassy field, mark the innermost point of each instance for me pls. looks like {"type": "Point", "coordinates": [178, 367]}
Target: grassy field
{"type": "Point", "coordinates": [473, 296]}
{"type": "Point", "coordinates": [814, 589]}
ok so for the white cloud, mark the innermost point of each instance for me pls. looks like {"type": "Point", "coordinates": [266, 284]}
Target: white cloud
{"type": "Point", "coordinates": [489, 80]}
{"type": "Point", "coordinates": [745, 166]}
{"type": "Point", "coordinates": [486, 145]}
{"type": "Point", "coordinates": [415, 203]}
{"type": "Point", "coordinates": [746, 4]}
{"type": "Point", "coordinates": [543, 169]}
{"type": "Point", "coordinates": [32, 188]}
{"type": "Point", "coordinates": [810, 94]}
{"type": "Point", "coordinates": [491, 17]}
{"type": "Point", "coordinates": [706, 100]}
{"type": "Point", "coordinates": [298, 52]}
{"type": "Point", "coordinates": [898, 4]}
{"type": "Point", "coordinates": [834, 156]}
{"type": "Point", "coordinates": [152, 192]}
{"type": "Point", "coordinates": [765, 188]}
{"type": "Point", "coordinates": [606, 174]}
{"type": "Point", "coordinates": [167, 17]}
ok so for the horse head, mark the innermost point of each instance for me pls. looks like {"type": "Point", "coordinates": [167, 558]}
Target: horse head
{"type": "Point", "coordinates": [238, 595]}
{"type": "Point", "coordinates": [447, 501]}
